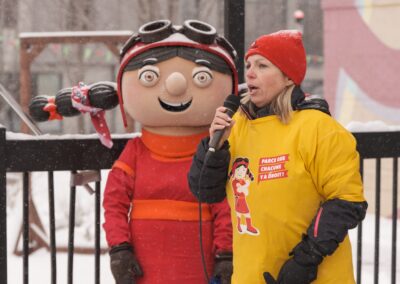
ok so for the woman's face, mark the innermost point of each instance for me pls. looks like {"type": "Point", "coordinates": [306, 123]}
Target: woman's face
{"type": "Point", "coordinates": [264, 80]}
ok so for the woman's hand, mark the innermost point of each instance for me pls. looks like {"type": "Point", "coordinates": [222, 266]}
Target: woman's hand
{"type": "Point", "coordinates": [221, 121]}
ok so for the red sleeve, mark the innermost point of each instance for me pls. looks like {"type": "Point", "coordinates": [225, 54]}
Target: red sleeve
{"type": "Point", "coordinates": [116, 203]}
{"type": "Point", "coordinates": [117, 197]}
{"type": "Point", "coordinates": [221, 213]}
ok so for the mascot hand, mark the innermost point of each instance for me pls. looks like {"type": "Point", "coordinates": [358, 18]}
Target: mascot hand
{"type": "Point", "coordinates": [223, 268]}
{"type": "Point", "coordinates": [124, 265]}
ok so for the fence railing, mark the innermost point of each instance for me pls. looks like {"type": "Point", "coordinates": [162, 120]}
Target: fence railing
{"type": "Point", "coordinates": [378, 146]}
{"type": "Point", "coordinates": [84, 158]}
{"type": "Point", "coordinates": [81, 155]}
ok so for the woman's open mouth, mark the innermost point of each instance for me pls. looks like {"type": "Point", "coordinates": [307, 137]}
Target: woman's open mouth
{"type": "Point", "coordinates": [252, 89]}
{"type": "Point", "coordinates": [175, 107]}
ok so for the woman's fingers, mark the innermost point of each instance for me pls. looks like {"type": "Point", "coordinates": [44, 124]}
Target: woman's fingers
{"type": "Point", "coordinates": [221, 121]}
{"type": "Point", "coordinates": [221, 114]}
{"type": "Point", "coordinates": [218, 124]}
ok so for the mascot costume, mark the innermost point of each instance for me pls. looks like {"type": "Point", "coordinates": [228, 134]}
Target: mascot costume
{"type": "Point", "coordinates": [171, 79]}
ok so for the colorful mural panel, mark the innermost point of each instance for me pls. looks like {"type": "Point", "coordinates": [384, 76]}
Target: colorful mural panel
{"type": "Point", "coordinates": [362, 59]}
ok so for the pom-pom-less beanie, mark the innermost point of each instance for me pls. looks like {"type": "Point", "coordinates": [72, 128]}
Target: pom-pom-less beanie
{"type": "Point", "coordinates": [285, 50]}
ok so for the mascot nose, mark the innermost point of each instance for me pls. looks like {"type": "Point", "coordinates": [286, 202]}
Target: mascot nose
{"type": "Point", "coordinates": [176, 84]}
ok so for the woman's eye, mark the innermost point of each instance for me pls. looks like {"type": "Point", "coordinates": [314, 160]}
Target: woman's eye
{"type": "Point", "coordinates": [202, 78]}
{"type": "Point", "coordinates": [148, 77]}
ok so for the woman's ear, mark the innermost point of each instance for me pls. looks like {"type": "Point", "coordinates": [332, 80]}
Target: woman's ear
{"type": "Point", "coordinates": [289, 82]}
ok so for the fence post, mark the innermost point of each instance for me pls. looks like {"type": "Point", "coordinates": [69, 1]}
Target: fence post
{"type": "Point", "coordinates": [234, 30]}
{"type": "Point", "coordinates": [3, 208]}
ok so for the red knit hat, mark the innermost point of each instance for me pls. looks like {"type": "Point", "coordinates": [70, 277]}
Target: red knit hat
{"type": "Point", "coordinates": [285, 50]}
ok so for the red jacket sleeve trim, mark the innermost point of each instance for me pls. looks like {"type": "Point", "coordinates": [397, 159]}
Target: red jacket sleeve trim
{"type": "Point", "coordinates": [123, 166]}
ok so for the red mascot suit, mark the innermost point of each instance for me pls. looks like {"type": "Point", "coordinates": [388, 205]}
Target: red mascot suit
{"type": "Point", "coordinates": [171, 80]}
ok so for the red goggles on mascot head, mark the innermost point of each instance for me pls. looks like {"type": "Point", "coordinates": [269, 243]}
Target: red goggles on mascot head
{"type": "Point", "coordinates": [192, 33]}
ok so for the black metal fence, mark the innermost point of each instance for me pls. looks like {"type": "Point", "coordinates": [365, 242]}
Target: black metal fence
{"type": "Point", "coordinates": [84, 158]}
{"type": "Point", "coordinates": [77, 155]}
{"type": "Point", "coordinates": [378, 146]}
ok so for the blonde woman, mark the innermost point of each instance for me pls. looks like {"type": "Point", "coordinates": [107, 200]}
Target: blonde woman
{"type": "Point", "coordinates": [307, 190]}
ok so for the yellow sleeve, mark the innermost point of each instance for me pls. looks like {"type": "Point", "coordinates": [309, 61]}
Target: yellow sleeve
{"type": "Point", "coordinates": [335, 166]}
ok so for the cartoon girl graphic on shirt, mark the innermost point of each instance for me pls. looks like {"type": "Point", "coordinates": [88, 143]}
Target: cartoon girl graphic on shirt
{"type": "Point", "coordinates": [241, 177]}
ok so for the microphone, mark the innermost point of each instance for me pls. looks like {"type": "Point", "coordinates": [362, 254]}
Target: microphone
{"type": "Point", "coordinates": [231, 104]}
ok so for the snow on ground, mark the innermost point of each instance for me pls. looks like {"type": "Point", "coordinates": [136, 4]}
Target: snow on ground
{"type": "Point", "coordinates": [39, 269]}
{"type": "Point", "coordinates": [368, 250]}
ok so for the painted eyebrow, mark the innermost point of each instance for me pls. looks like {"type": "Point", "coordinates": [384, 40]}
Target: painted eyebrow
{"type": "Point", "coordinates": [203, 62]}
{"type": "Point", "coordinates": [149, 61]}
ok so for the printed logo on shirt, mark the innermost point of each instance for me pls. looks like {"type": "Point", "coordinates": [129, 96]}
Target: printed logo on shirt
{"type": "Point", "coordinates": [240, 178]}
{"type": "Point", "coordinates": [272, 167]}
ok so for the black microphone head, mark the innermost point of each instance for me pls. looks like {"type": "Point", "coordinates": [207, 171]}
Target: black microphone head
{"type": "Point", "coordinates": [232, 102]}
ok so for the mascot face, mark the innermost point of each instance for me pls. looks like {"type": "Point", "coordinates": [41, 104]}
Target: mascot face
{"type": "Point", "coordinates": [172, 78]}
{"type": "Point", "coordinates": [175, 92]}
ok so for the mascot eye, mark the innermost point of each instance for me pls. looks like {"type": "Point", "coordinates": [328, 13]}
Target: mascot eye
{"type": "Point", "coordinates": [202, 77]}
{"type": "Point", "coordinates": [148, 75]}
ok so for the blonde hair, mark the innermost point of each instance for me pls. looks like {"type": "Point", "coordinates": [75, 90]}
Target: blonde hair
{"type": "Point", "coordinates": [281, 106]}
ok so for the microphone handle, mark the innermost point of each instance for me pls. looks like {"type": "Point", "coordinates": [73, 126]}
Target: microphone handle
{"type": "Point", "coordinates": [214, 141]}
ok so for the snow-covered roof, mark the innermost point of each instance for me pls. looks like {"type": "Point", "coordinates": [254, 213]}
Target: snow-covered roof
{"type": "Point", "coordinates": [371, 126]}
{"type": "Point", "coordinates": [23, 136]}
{"type": "Point", "coordinates": [74, 34]}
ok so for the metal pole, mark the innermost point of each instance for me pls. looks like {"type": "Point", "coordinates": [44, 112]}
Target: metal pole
{"type": "Point", "coordinates": [25, 213]}
{"type": "Point", "coordinates": [19, 111]}
{"type": "Point", "coordinates": [52, 228]}
{"type": "Point", "coordinates": [394, 218]}
{"type": "Point", "coordinates": [71, 229]}
{"type": "Point", "coordinates": [234, 30]}
{"type": "Point", "coordinates": [3, 208]}
{"type": "Point", "coordinates": [97, 234]}
{"type": "Point", "coordinates": [359, 233]}
{"type": "Point", "coordinates": [377, 219]}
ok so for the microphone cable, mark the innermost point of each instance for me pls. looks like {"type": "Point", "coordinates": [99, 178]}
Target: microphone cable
{"type": "Point", "coordinates": [203, 259]}
{"type": "Point", "coordinates": [231, 103]}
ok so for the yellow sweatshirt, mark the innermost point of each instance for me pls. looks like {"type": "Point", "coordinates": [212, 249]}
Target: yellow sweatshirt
{"type": "Point", "coordinates": [291, 170]}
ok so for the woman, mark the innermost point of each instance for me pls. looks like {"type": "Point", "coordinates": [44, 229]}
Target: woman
{"type": "Point", "coordinates": [307, 190]}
